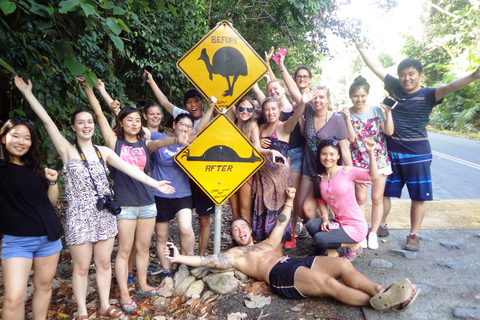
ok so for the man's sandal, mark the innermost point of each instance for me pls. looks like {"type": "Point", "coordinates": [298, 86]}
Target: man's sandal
{"type": "Point", "coordinates": [112, 312]}
{"type": "Point", "coordinates": [396, 294]}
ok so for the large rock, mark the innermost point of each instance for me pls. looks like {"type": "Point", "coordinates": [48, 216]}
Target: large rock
{"type": "Point", "coordinates": [195, 288]}
{"type": "Point", "coordinates": [181, 274]}
{"type": "Point", "coordinates": [184, 285]}
{"type": "Point", "coordinates": [222, 283]}
{"type": "Point", "coordinates": [240, 276]}
{"type": "Point", "coordinates": [167, 288]}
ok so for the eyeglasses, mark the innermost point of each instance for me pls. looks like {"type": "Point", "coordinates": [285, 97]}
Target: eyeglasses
{"type": "Point", "coordinates": [183, 125]}
{"type": "Point", "coordinates": [302, 77]}
{"type": "Point", "coordinates": [20, 119]}
{"type": "Point", "coordinates": [241, 109]}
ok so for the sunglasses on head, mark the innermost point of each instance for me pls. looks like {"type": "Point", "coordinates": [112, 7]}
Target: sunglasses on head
{"type": "Point", "coordinates": [20, 119]}
{"type": "Point", "coordinates": [241, 109]}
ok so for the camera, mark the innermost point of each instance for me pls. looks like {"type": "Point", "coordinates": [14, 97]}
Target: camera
{"type": "Point", "coordinates": [106, 202]}
{"type": "Point", "coordinates": [390, 102]}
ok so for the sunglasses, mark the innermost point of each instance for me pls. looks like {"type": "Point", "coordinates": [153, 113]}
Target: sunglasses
{"type": "Point", "coordinates": [20, 119]}
{"type": "Point", "coordinates": [241, 109]}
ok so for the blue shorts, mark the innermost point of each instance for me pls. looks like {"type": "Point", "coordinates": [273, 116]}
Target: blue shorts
{"type": "Point", "coordinates": [282, 276]}
{"type": "Point", "coordinates": [29, 247]}
{"type": "Point", "coordinates": [412, 170]}
{"type": "Point", "coordinates": [140, 212]}
{"type": "Point", "coordinates": [296, 159]}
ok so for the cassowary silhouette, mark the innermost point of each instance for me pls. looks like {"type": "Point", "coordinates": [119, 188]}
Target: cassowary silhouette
{"type": "Point", "coordinates": [227, 62]}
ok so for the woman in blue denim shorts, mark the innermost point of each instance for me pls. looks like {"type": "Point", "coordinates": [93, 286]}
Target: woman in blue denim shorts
{"type": "Point", "coordinates": [31, 229]}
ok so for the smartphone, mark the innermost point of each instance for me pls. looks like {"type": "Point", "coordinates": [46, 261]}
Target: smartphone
{"type": "Point", "coordinates": [170, 248]}
{"type": "Point", "coordinates": [334, 226]}
{"type": "Point", "coordinates": [390, 102]}
{"type": "Point", "coordinates": [279, 160]}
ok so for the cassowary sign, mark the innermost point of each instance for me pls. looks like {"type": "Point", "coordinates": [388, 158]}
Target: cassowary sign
{"type": "Point", "coordinates": [223, 65]}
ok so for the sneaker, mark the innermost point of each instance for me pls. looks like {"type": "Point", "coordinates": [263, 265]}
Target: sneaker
{"type": "Point", "coordinates": [383, 231]}
{"type": "Point", "coordinates": [372, 241]}
{"type": "Point", "coordinates": [364, 244]}
{"type": "Point", "coordinates": [290, 244]}
{"type": "Point", "coordinates": [152, 270]}
{"type": "Point", "coordinates": [130, 280]}
{"type": "Point", "coordinates": [413, 242]}
{"type": "Point", "coordinates": [352, 254]}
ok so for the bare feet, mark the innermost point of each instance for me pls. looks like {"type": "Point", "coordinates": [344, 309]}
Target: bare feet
{"type": "Point", "coordinates": [406, 304]}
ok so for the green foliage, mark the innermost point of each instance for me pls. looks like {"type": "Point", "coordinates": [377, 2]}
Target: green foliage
{"type": "Point", "coordinates": [53, 42]}
{"type": "Point", "coordinates": [449, 51]}
{"type": "Point", "coordinates": [299, 26]}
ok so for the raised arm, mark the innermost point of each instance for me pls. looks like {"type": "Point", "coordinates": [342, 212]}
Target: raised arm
{"type": "Point", "coordinates": [290, 124]}
{"type": "Point", "coordinates": [387, 126]}
{"type": "Point", "coordinates": [115, 161]}
{"type": "Point", "coordinates": [289, 81]}
{"type": "Point", "coordinates": [222, 260]}
{"type": "Point", "coordinates": [455, 85]}
{"type": "Point", "coordinates": [259, 95]}
{"type": "Point", "coordinates": [162, 99]}
{"type": "Point", "coordinates": [268, 57]}
{"type": "Point", "coordinates": [350, 130]}
{"type": "Point", "coordinates": [370, 62]}
{"type": "Point", "coordinates": [208, 115]}
{"type": "Point", "coordinates": [107, 132]}
{"type": "Point", "coordinates": [115, 108]}
{"type": "Point", "coordinates": [61, 144]}
{"type": "Point", "coordinates": [283, 219]}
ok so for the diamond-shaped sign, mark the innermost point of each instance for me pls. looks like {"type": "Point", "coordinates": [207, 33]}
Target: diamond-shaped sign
{"type": "Point", "coordinates": [223, 65]}
{"type": "Point", "coordinates": [220, 160]}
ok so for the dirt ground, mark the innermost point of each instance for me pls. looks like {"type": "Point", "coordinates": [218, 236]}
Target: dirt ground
{"type": "Point", "coordinates": [216, 307]}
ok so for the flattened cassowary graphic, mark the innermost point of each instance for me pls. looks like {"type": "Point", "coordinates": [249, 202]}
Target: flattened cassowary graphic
{"type": "Point", "coordinates": [220, 154]}
{"type": "Point", "coordinates": [227, 62]}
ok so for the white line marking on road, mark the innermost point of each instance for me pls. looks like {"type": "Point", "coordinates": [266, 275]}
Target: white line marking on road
{"type": "Point", "coordinates": [467, 163]}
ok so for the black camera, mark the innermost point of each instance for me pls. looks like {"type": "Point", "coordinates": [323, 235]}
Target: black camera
{"type": "Point", "coordinates": [106, 202]}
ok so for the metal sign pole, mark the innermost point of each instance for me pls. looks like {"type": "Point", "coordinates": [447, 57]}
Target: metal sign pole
{"type": "Point", "coordinates": [217, 237]}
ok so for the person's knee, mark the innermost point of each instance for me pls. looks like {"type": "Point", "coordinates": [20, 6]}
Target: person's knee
{"type": "Point", "coordinates": [14, 301]}
{"type": "Point", "coordinates": [103, 264]}
{"type": "Point", "coordinates": [81, 270]}
{"type": "Point", "coordinates": [124, 251]}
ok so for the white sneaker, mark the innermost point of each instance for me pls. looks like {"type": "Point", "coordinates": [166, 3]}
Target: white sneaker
{"type": "Point", "coordinates": [363, 244]}
{"type": "Point", "coordinates": [372, 241]}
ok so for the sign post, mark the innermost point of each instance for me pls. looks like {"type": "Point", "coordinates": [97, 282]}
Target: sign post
{"type": "Point", "coordinates": [221, 159]}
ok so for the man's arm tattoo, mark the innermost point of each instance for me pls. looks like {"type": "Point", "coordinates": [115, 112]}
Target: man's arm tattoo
{"type": "Point", "coordinates": [282, 218]}
{"type": "Point", "coordinates": [219, 261]}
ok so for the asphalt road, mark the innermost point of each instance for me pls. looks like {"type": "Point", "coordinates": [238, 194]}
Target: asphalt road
{"type": "Point", "coordinates": [455, 167]}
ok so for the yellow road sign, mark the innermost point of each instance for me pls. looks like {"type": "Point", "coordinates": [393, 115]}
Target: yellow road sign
{"type": "Point", "coordinates": [220, 160]}
{"type": "Point", "coordinates": [223, 65]}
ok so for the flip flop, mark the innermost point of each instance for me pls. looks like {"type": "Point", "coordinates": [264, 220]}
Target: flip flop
{"type": "Point", "coordinates": [131, 304]}
{"type": "Point", "coordinates": [149, 292]}
{"type": "Point", "coordinates": [112, 313]}
{"type": "Point", "coordinates": [82, 318]}
{"type": "Point", "coordinates": [406, 304]}
{"type": "Point", "coordinates": [395, 294]}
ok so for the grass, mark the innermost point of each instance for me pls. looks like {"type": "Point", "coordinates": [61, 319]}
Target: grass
{"type": "Point", "coordinates": [468, 135]}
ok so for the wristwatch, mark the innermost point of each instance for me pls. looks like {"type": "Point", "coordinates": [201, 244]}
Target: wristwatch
{"type": "Point", "coordinates": [52, 183]}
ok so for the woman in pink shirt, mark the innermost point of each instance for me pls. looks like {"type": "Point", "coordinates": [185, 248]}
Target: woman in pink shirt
{"type": "Point", "coordinates": [337, 190]}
